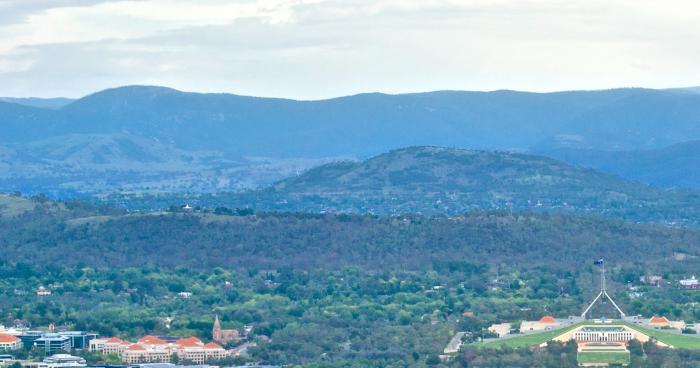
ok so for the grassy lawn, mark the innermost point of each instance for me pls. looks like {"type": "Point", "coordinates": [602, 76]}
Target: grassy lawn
{"type": "Point", "coordinates": [677, 341]}
{"type": "Point", "coordinates": [528, 340]}
{"type": "Point", "coordinates": [604, 357]}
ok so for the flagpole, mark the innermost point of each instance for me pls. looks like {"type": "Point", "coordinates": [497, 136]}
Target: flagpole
{"type": "Point", "coordinates": [603, 292]}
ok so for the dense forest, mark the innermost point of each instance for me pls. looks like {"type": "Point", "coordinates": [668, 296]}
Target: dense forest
{"type": "Point", "coordinates": [328, 289]}
{"type": "Point", "coordinates": [312, 241]}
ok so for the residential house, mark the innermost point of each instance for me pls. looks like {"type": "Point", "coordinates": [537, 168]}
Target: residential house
{"type": "Point", "coordinates": [42, 291]}
{"type": "Point", "coordinates": [500, 329]}
{"type": "Point", "coordinates": [654, 280]}
{"type": "Point", "coordinates": [691, 284]}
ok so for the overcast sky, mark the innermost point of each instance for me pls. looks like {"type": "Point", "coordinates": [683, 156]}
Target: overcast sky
{"type": "Point", "coordinates": [310, 49]}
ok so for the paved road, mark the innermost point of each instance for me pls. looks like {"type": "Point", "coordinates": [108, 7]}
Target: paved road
{"type": "Point", "coordinates": [242, 349]}
{"type": "Point", "coordinates": [454, 344]}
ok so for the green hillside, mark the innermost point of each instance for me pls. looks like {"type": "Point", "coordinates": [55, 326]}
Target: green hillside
{"type": "Point", "coordinates": [309, 241]}
{"type": "Point", "coordinates": [451, 181]}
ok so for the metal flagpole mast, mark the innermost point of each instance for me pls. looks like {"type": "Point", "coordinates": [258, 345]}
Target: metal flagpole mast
{"type": "Point", "coordinates": [602, 278]}
{"type": "Point", "coordinates": [602, 294]}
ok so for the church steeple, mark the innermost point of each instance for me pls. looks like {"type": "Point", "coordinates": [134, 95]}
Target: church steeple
{"type": "Point", "coordinates": [220, 335]}
{"type": "Point", "coordinates": [216, 330]}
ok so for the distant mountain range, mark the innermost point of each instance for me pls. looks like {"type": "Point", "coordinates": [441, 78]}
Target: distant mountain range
{"type": "Point", "coordinates": [79, 164]}
{"type": "Point", "coordinates": [676, 166]}
{"type": "Point", "coordinates": [43, 103]}
{"type": "Point", "coordinates": [191, 132]}
{"type": "Point", "coordinates": [369, 124]}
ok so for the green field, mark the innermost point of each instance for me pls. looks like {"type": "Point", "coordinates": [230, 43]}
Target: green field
{"type": "Point", "coordinates": [608, 357]}
{"type": "Point", "coordinates": [530, 339]}
{"type": "Point", "coordinates": [677, 341]}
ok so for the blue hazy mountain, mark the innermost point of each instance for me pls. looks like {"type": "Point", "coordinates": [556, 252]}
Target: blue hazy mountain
{"type": "Point", "coordinates": [226, 128]}
{"type": "Point", "coordinates": [44, 103]}
{"type": "Point", "coordinates": [368, 124]}
{"type": "Point", "coordinates": [675, 166]}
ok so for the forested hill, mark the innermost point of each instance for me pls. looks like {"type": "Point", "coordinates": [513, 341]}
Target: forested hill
{"type": "Point", "coordinates": [435, 180]}
{"type": "Point", "coordinates": [427, 170]}
{"type": "Point", "coordinates": [57, 235]}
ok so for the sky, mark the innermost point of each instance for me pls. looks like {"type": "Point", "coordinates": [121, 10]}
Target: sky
{"type": "Point", "coordinates": [314, 49]}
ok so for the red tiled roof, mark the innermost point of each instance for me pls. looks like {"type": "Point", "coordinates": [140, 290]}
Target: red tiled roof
{"type": "Point", "coordinates": [190, 341]}
{"type": "Point", "coordinates": [548, 319]}
{"type": "Point", "coordinates": [152, 340]}
{"type": "Point", "coordinates": [136, 347]}
{"type": "Point", "coordinates": [658, 320]}
{"type": "Point", "coordinates": [212, 345]}
{"type": "Point", "coordinates": [113, 340]}
{"type": "Point", "coordinates": [4, 338]}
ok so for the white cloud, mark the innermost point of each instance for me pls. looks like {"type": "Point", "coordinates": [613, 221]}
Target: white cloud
{"type": "Point", "coordinates": [321, 48]}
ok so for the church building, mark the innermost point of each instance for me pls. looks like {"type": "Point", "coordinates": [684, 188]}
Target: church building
{"type": "Point", "coordinates": [223, 336]}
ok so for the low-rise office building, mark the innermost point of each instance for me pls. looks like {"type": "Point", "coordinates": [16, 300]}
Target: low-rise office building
{"type": "Point", "coordinates": [78, 339]}
{"type": "Point", "coordinates": [53, 343]}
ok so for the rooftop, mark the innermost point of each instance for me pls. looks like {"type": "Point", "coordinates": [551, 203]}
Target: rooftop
{"type": "Point", "coordinates": [4, 338]}
{"type": "Point", "coordinates": [659, 320]}
{"type": "Point", "coordinates": [548, 319]}
{"type": "Point", "coordinates": [603, 329]}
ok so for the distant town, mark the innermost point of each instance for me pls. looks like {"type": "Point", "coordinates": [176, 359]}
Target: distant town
{"type": "Point", "coordinates": [53, 348]}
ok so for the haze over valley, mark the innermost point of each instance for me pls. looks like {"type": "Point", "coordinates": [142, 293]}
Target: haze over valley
{"type": "Point", "coordinates": [159, 140]}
